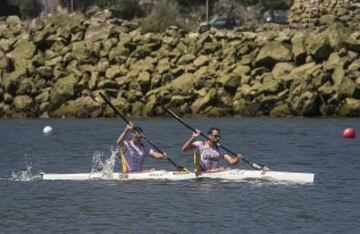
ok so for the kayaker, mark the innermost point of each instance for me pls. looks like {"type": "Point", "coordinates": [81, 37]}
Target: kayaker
{"type": "Point", "coordinates": [134, 151]}
{"type": "Point", "coordinates": [207, 153]}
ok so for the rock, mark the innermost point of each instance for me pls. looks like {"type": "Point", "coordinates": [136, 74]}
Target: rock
{"type": "Point", "coordinates": [241, 70]}
{"type": "Point", "coordinates": [202, 102]}
{"type": "Point", "coordinates": [327, 19]}
{"type": "Point", "coordinates": [230, 82]}
{"type": "Point", "coordinates": [202, 60]}
{"type": "Point", "coordinates": [83, 107]}
{"type": "Point", "coordinates": [318, 46]}
{"type": "Point", "coordinates": [45, 72]}
{"type": "Point", "coordinates": [186, 59]}
{"type": "Point", "coordinates": [307, 104]}
{"type": "Point", "coordinates": [350, 108]}
{"type": "Point", "coordinates": [337, 34]}
{"type": "Point", "coordinates": [27, 87]}
{"type": "Point", "coordinates": [214, 111]}
{"type": "Point", "coordinates": [163, 66]}
{"type": "Point", "coordinates": [268, 87]}
{"type": "Point", "coordinates": [107, 84]}
{"type": "Point", "coordinates": [43, 97]}
{"type": "Point", "coordinates": [281, 69]}
{"type": "Point", "coordinates": [80, 51]}
{"type": "Point", "coordinates": [335, 61]}
{"type": "Point", "coordinates": [272, 53]}
{"type": "Point", "coordinates": [149, 107]}
{"type": "Point", "coordinates": [13, 20]}
{"type": "Point", "coordinates": [338, 76]}
{"type": "Point", "coordinates": [62, 91]}
{"type": "Point", "coordinates": [115, 71]}
{"type": "Point", "coordinates": [349, 88]}
{"type": "Point", "coordinates": [245, 108]}
{"type": "Point", "coordinates": [178, 100]}
{"type": "Point", "coordinates": [103, 65]}
{"type": "Point", "coordinates": [137, 109]}
{"type": "Point", "coordinates": [353, 41]}
{"type": "Point", "coordinates": [99, 32]}
{"type": "Point", "coordinates": [144, 79]}
{"type": "Point", "coordinates": [282, 110]}
{"type": "Point", "coordinates": [23, 103]}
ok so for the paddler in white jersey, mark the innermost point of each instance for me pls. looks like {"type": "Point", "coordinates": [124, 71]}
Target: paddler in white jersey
{"type": "Point", "coordinates": [134, 151]}
{"type": "Point", "coordinates": [207, 152]}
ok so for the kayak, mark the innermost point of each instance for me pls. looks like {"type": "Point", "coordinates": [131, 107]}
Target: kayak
{"type": "Point", "coordinates": [228, 175]}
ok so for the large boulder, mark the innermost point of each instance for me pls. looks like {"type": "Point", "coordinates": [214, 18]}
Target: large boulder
{"type": "Point", "coordinates": [23, 103]}
{"type": "Point", "coordinates": [230, 81]}
{"type": "Point", "coordinates": [348, 88]}
{"type": "Point", "coordinates": [267, 87]}
{"type": "Point", "coordinates": [281, 69]}
{"type": "Point", "coordinates": [318, 46]}
{"type": "Point", "coordinates": [281, 110]}
{"type": "Point", "coordinates": [83, 107]}
{"type": "Point", "coordinates": [202, 60]}
{"type": "Point", "coordinates": [21, 55]}
{"type": "Point", "coordinates": [307, 104]}
{"type": "Point", "coordinates": [353, 41]}
{"type": "Point", "coordinates": [337, 34]}
{"type": "Point", "coordinates": [298, 48]}
{"type": "Point", "coordinates": [115, 71]}
{"type": "Point", "coordinates": [350, 107]}
{"type": "Point", "coordinates": [202, 102]}
{"type": "Point", "coordinates": [99, 32]}
{"type": "Point", "coordinates": [26, 87]}
{"type": "Point", "coordinates": [335, 60]}
{"type": "Point", "coordinates": [245, 108]}
{"type": "Point", "coordinates": [272, 53]}
{"type": "Point", "coordinates": [62, 91]}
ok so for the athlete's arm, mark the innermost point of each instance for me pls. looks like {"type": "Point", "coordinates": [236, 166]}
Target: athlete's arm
{"type": "Point", "coordinates": [233, 160]}
{"type": "Point", "coordinates": [121, 138]}
{"type": "Point", "coordinates": [188, 144]}
{"type": "Point", "coordinates": [157, 155]}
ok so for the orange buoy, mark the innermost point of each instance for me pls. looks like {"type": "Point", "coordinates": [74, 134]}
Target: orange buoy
{"type": "Point", "coordinates": [349, 133]}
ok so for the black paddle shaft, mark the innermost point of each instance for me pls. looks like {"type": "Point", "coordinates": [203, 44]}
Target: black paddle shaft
{"type": "Point", "coordinates": [252, 164]}
{"type": "Point", "coordinates": [148, 140]}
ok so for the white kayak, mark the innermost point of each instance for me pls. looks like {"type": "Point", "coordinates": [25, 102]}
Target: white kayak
{"type": "Point", "coordinates": [230, 175]}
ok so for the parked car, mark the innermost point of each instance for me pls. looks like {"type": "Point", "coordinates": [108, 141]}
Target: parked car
{"type": "Point", "coordinates": [276, 16]}
{"type": "Point", "coordinates": [220, 23]}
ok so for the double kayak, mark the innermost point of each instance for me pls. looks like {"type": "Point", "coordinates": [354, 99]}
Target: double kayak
{"type": "Point", "coordinates": [227, 175]}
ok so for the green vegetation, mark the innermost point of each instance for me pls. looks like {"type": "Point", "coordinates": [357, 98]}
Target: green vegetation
{"type": "Point", "coordinates": [163, 15]}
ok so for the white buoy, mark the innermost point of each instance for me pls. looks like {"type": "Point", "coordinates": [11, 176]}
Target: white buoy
{"type": "Point", "coordinates": [47, 130]}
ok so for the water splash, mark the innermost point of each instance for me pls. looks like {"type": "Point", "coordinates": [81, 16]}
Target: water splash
{"type": "Point", "coordinates": [27, 174]}
{"type": "Point", "coordinates": [104, 165]}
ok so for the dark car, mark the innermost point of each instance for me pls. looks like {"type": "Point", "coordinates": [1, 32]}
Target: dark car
{"type": "Point", "coordinates": [276, 16]}
{"type": "Point", "coordinates": [220, 23]}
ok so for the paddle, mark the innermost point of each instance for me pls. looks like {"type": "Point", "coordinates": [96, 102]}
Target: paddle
{"type": "Point", "coordinates": [179, 168]}
{"type": "Point", "coordinates": [257, 166]}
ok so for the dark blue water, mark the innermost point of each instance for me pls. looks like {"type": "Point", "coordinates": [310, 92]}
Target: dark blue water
{"type": "Point", "coordinates": [330, 205]}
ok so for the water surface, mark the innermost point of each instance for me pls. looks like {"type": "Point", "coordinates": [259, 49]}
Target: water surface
{"type": "Point", "coordinates": [330, 205]}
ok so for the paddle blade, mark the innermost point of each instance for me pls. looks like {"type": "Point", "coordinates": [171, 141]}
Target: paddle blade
{"type": "Point", "coordinates": [259, 166]}
{"type": "Point", "coordinates": [181, 168]}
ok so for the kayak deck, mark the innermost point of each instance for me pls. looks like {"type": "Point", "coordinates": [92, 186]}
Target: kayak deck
{"type": "Point", "coordinates": [230, 175]}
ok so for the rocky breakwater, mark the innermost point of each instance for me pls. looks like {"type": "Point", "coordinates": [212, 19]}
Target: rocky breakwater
{"type": "Point", "coordinates": [56, 67]}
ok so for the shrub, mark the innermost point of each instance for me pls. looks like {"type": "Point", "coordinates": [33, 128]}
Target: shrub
{"type": "Point", "coordinates": [164, 14]}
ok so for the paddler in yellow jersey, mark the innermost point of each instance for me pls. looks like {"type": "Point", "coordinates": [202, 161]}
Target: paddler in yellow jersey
{"type": "Point", "coordinates": [208, 153]}
{"type": "Point", "coordinates": [134, 151]}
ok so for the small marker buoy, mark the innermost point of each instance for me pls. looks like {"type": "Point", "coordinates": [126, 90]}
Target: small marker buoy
{"type": "Point", "coordinates": [349, 133]}
{"type": "Point", "coordinates": [47, 130]}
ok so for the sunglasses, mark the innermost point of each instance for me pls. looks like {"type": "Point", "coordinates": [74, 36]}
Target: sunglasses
{"type": "Point", "coordinates": [216, 136]}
